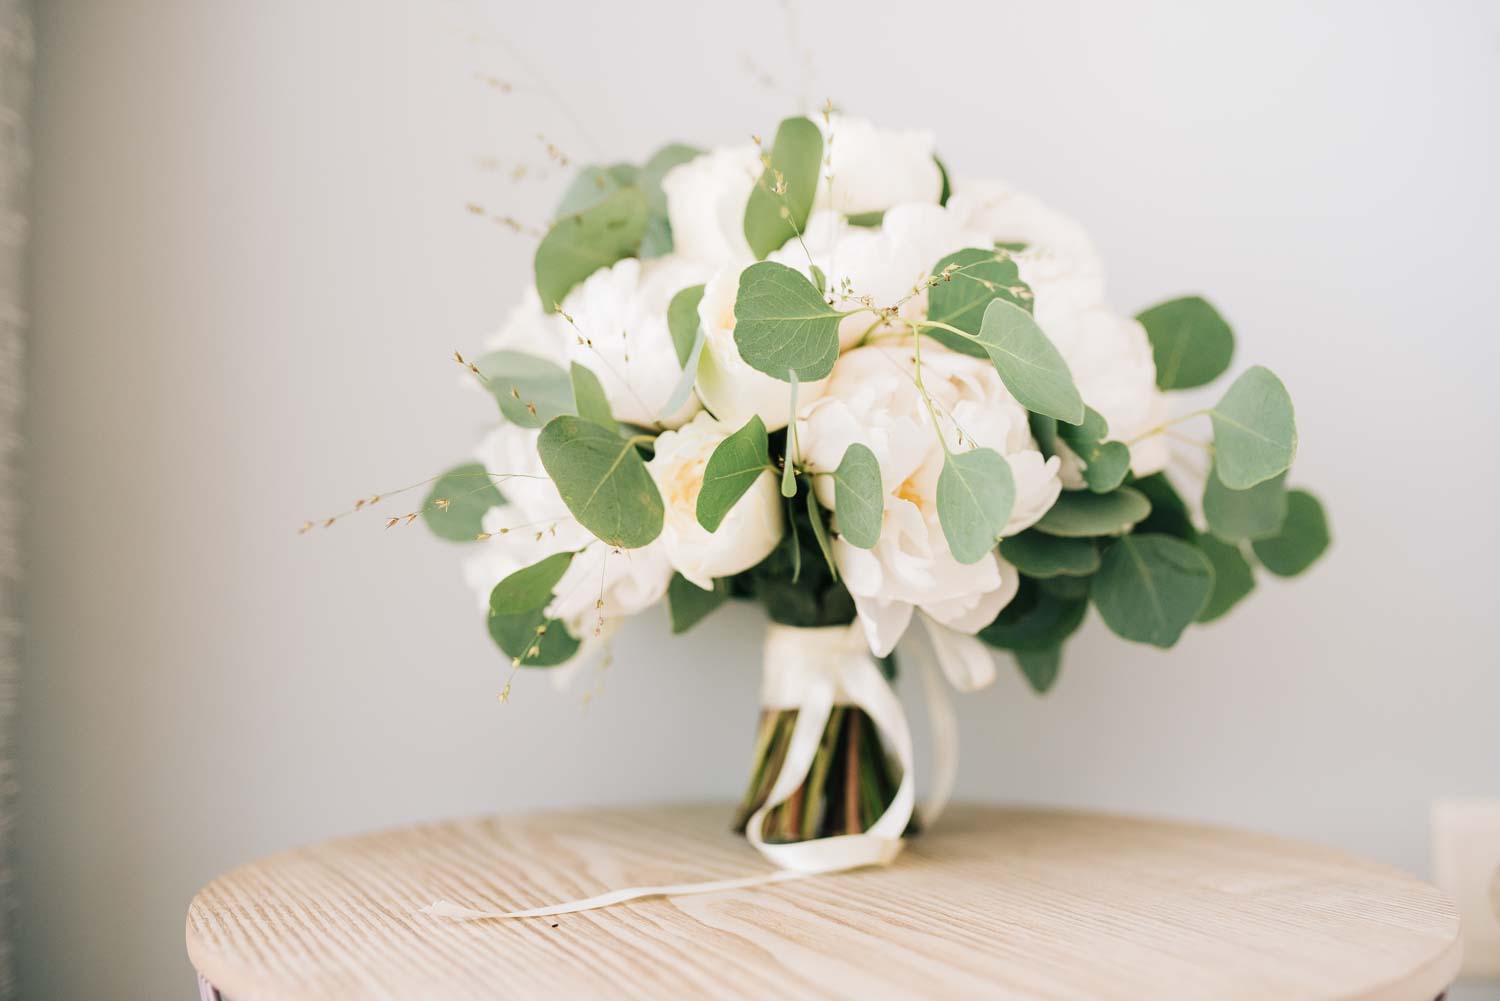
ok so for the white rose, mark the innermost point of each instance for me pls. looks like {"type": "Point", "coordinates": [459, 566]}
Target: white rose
{"type": "Point", "coordinates": [623, 338]}
{"type": "Point", "coordinates": [748, 533]}
{"type": "Point", "coordinates": [706, 200]}
{"type": "Point", "coordinates": [872, 399]}
{"type": "Point", "coordinates": [732, 390]}
{"type": "Point", "coordinates": [873, 169]}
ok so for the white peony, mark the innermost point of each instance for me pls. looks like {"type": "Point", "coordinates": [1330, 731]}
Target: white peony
{"type": "Point", "coordinates": [872, 169]}
{"type": "Point", "coordinates": [879, 266]}
{"type": "Point", "coordinates": [530, 329]}
{"type": "Point", "coordinates": [623, 338]}
{"type": "Point", "coordinates": [706, 199]}
{"type": "Point", "coordinates": [1108, 354]}
{"type": "Point", "coordinates": [729, 387]}
{"type": "Point", "coordinates": [871, 398]}
{"type": "Point", "coordinates": [748, 533]}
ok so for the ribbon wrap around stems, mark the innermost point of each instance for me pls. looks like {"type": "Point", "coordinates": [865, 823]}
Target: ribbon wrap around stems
{"type": "Point", "coordinates": [811, 671]}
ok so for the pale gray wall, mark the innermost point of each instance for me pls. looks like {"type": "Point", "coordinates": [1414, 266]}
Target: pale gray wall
{"type": "Point", "coordinates": [253, 259]}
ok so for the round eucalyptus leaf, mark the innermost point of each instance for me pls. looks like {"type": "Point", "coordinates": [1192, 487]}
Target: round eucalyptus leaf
{"type": "Point", "coordinates": [1190, 341]}
{"type": "Point", "coordinates": [1233, 578]}
{"type": "Point", "coordinates": [1255, 430]}
{"type": "Point", "coordinates": [858, 497]}
{"type": "Point", "coordinates": [1031, 368]}
{"type": "Point", "coordinates": [529, 390]}
{"type": "Point", "coordinates": [783, 197]}
{"type": "Point", "coordinates": [975, 494]}
{"type": "Point", "coordinates": [1080, 514]}
{"type": "Point", "coordinates": [455, 507]}
{"type": "Point", "coordinates": [1039, 555]}
{"type": "Point", "coordinates": [782, 324]}
{"type": "Point", "coordinates": [602, 480]}
{"type": "Point", "coordinates": [1303, 537]}
{"type": "Point", "coordinates": [1149, 588]}
{"type": "Point", "coordinates": [1242, 515]}
{"type": "Point", "coordinates": [579, 244]}
{"type": "Point", "coordinates": [733, 467]}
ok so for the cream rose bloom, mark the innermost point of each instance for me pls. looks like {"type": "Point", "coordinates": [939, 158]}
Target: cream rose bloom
{"type": "Point", "coordinates": [621, 315]}
{"type": "Point", "coordinates": [748, 533]}
{"type": "Point", "coordinates": [871, 399]}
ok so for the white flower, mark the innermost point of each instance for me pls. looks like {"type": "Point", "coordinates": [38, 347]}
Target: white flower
{"type": "Point", "coordinates": [706, 200]}
{"type": "Point", "coordinates": [873, 169]}
{"type": "Point", "coordinates": [748, 533]}
{"type": "Point", "coordinates": [731, 389]}
{"type": "Point", "coordinates": [871, 398]}
{"type": "Point", "coordinates": [530, 329]}
{"type": "Point", "coordinates": [623, 338]}
{"type": "Point", "coordinates": [535, 524]}
{"type": "Point", "coordinates": [1108, 355]}
{"type": "Point", "coordinates": [881, 265]}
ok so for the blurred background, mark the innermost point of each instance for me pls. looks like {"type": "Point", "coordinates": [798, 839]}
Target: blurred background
{"type": "Point", "coordinates": [255, 247]}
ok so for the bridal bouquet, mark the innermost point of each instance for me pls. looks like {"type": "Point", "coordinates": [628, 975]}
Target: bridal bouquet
{"type": "Point", "coordinates": [818, 374]}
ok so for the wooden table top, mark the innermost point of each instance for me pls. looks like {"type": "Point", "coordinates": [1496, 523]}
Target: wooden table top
{"type": "Point", "coordinates": [996, 902]}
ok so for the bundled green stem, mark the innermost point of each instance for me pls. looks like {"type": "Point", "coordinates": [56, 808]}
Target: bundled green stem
{"type": "Point", "coordinates": [851, 782]}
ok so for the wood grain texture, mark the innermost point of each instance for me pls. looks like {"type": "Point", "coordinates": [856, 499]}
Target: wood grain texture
{"type": "Point", "coordinates": [995, 903]}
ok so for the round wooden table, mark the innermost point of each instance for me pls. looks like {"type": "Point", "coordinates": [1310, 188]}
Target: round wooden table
{"type": "Point", "coordinates": [994, 903]}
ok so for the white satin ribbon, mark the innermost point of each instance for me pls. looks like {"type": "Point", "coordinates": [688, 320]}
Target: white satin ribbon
{"type": "Point", "coordinates": [812, 670]}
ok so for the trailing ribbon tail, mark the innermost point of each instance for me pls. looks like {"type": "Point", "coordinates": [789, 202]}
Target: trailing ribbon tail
{"type": "Point", "coordinates": [811, 671]}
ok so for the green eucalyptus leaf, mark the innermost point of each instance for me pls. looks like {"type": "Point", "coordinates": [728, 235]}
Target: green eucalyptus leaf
{"type": "Point", "coordinates": [1255, 430]}
{"type": "Point", "coordinates": [593, 185]}
{"type": "Point", "coordinates": [1303, 537]}
{"type": "Point", "coordinates": [1044, 430]}
{"type": "Point", "coordinates": [771, 219]}
{"type": "Point", "coordinates": [531, 639]}
{"type": "Point", "coordinates": [1067, 588]}
{"type": "Point", "coordinates": [1079, 515]}
{"type": "Point", "coordinates": [577, 245]}
{"type": "Point", "coordinates": [1169, 513]}
{"type": "Point", "coordinates": [1029, 365]}
{"type": "Point", "coordinates": [1190, 341]}
{"type": "Point", "coordinates": [530, 390]}
{"type": "Point", "coordinates": [517, 619]}
{"type": "Point", "coordinates": [859, 497]}
{"type": "Point", "coordinates": [1105, 463]}
{"type": "Point", "coordinates": [866, 220]}
{"type": "Point", "coordinates": [1035, 619]}
{"type": "Point", "coordinates": [947, 189]}
{"type": "Point", "coordinates": [1149, 588]}
{"type": "Point", "coordinates": [683, 323]}
{"type": "Point", "coordinates": [789, 460]}
{"type": "Point", "coordinates": [688, 604]}
{"type": "Point", "coordinates": [1040, 667]}
{"type": "Point", "coordinates": [663, 160]}
{"type": "Point", "coordinates": [1241, 515]}
{"type": "Point", "coordinates": [687, 340]}
{"type": "Point", "coordinates": [588, 396]}
{"type": "Point", "coordinates": [468, 491]}
{"type": "Point", "coordinates": [530, 587]}
{"type": "Point", "coordinates": [1039, 555]}
{"type": "Point", "coordinates": [602, 480]}
{"type": "Point", "coordinates": [978, 278]}
{"type": "Point", "coordinates": [736, 463]}
{"type": "Point", "coordinates": [975, 494]}
{"type": "Point", "coordinates": [1233, 578]}
{"type": "Point", "coordinates": [782, 324]}
{"type": "Point", "coordinates": [820, 532]}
